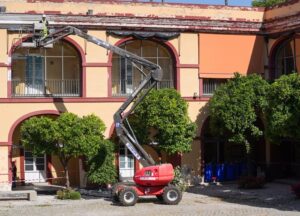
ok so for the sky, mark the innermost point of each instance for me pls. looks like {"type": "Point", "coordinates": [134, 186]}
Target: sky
{"type": "Point", "coordinates": [220, 2]}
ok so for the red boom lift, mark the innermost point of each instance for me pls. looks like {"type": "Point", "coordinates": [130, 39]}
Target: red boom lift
{"type": "Point", "coordinates": [151, 179]}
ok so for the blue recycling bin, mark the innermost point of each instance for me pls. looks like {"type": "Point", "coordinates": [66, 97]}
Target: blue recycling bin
{"type": "Point", "coordinates": [220, 172]}
{"type": "Point", "coordinates": [208, 172]}
{"type": "Point", "coordinates": [231, 172]}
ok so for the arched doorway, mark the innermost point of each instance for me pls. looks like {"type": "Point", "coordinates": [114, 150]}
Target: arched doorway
{"type": "Point", "coordinates": [31, 168]}
{"type": "Point", "coordinates": [228, 161]}
{"type": "Point", "coordinates": [40, 72]}
{"type": "Point", "coordinates": [125, 77]}
{"type": "Point", "coordinates": [28, 168]}
{"type": "Point", "coordinates": [285, 155]}
{"type": "Point", "coordinates": [212, 146]}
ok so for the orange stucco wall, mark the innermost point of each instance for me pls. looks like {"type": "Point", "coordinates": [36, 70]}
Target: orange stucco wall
{"type": "Point", "coordinates": [96, 53]}
{"type": "Point", "coordinates": [200, 55]}
{"type": "Point", "coordinates": [187, 52]}
{"type": "Point", "coordinates": [3, 82]}
{"type": "Point", "coordinates": [186, 49]}
{"type": "Point", "coordinates": [57, 171]}
{"type": "Point", "coordinates": [198, 112]}
{"type": "Point", "coordinates": [137, 9]}
{"type": "Point", "coordinates": [189, 82]}
{"type": "Point", "coordinates": [97, 79]}
{"type": "Point", "coordinates": [3, 49]}
{"type": "Point", "coordinates": [282, 11]}
{"type": "Point", "coordinates": [222, 55]}
{"type": "Point", "coordinates": [11, 112]}
{"type": "Point", "coordinates": [96, 87]}
{"type": "Point", "coordinates": [4, 185]}
{"type": "Point", "coordinates": [16, 157]}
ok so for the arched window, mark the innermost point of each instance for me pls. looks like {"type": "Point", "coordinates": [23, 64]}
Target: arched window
{"type": "Point", "coordinates": [39, 72]}
{"type": "Point", "coordinates": [287, 57]}
{"type": "Point", "coordinates": [125, 77]}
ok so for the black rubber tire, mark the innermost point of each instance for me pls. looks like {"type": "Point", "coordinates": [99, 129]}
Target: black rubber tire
{"type": "Point", "coordinates": [128, 196]}
{"type": "Point", "coordinates": [172, 195]}
{"type": "Point", "coordinates": [160, 197]}
{"type": "Point", "coordinates": [115, 191]}
{"type": "Point", "coordinates": [115, 198]}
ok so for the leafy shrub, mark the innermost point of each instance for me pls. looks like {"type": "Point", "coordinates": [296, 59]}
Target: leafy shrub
{"type": "Point", "coordinates": [251, 182]}
{"type": "Point", "coordinates": [66, 136]}
{"type": "Point", "coordinates": [165, 113]}
{"type": "Point", "coordinates": [235, 108]}
{"type": "Point", "coordinates": [68, 194]}
{"type": "Point", "coordinates": [74, 195]}
{"type": "Point", "coordinates": [102, 169]}
{"type": "Point", "coordinates": [266, 3]}
{"type": "Point", "coordinates": [178, 180]}
{"type": "Point", "coordinates": [296, 189]}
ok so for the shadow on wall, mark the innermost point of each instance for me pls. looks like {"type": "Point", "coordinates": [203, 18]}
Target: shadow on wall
{"type": "Point", "coordinates": [192, 162]}
{"type": "Point", "coordinates": [256, 61]}
{"type": "Point", "coordinates": [57, 172]}
{"type": "Point", "coordinates": [201, 118]}
{"type": "Point", "coordinates": [60, 106]}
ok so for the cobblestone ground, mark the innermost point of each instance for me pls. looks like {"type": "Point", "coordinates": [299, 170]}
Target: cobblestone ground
{"type": "Point", "coordinates": [226, 200]}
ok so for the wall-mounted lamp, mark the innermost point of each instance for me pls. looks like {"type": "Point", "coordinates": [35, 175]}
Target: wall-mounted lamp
{"type": "Point", "coordinates": [195, 95]}
{"type": "Point", "coordinates": [89, 12]}
{"type": "Point", "coordinates": [153, 143]}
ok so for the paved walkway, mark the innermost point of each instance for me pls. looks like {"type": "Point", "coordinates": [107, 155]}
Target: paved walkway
{"type": "Point", "coordinates": [273, 195]}
{"type": "Point", "coordinates": [227, 200]}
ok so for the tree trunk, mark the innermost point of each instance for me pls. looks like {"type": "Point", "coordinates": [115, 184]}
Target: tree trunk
{"type": "Point", "coordinates": [67, 175]}
{"type": "Point", "coordinates": [64, 161]}
{"type": "Point", "coordinates": [159, 156]}
{"type": "Point", "coordinates": [248, 157]}
{"type": "Point", "coordinates": [249, 165]}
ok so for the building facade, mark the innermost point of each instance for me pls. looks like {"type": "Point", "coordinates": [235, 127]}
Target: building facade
{"type": "Point", "coordinates": [198, 47]}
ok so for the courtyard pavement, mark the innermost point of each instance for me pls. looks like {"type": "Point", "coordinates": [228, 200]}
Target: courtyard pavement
{"type": "Point", "coordinates": [212, 200]}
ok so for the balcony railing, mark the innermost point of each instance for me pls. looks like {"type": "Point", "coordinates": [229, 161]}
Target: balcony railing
{"type": "Point", "coordinates": [46, 88]}
{"type": "Point", "coordinates": [120, 89]}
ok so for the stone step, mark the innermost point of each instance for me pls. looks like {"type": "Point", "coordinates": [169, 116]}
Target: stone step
{"type": "Point", "coordinates": [30, 195]}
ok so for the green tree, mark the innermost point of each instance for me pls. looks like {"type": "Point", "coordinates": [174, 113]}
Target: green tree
{"type": "Point", "coordinates": [266, 3]}
{"type": "Point", "coordinates": [101, 167]}
{"type": "Point", "coordinates": [283, 114]}
{"type": "Point", "coordinates": [66, 136]}
{"type": "Point", "coordinates": [235, 108]}
{"type": "Point", "coordinates": [162, 118]}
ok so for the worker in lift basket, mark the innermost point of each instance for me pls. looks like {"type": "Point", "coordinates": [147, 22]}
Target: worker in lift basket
{"type": "Point", "coordinates": [45, 23]}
